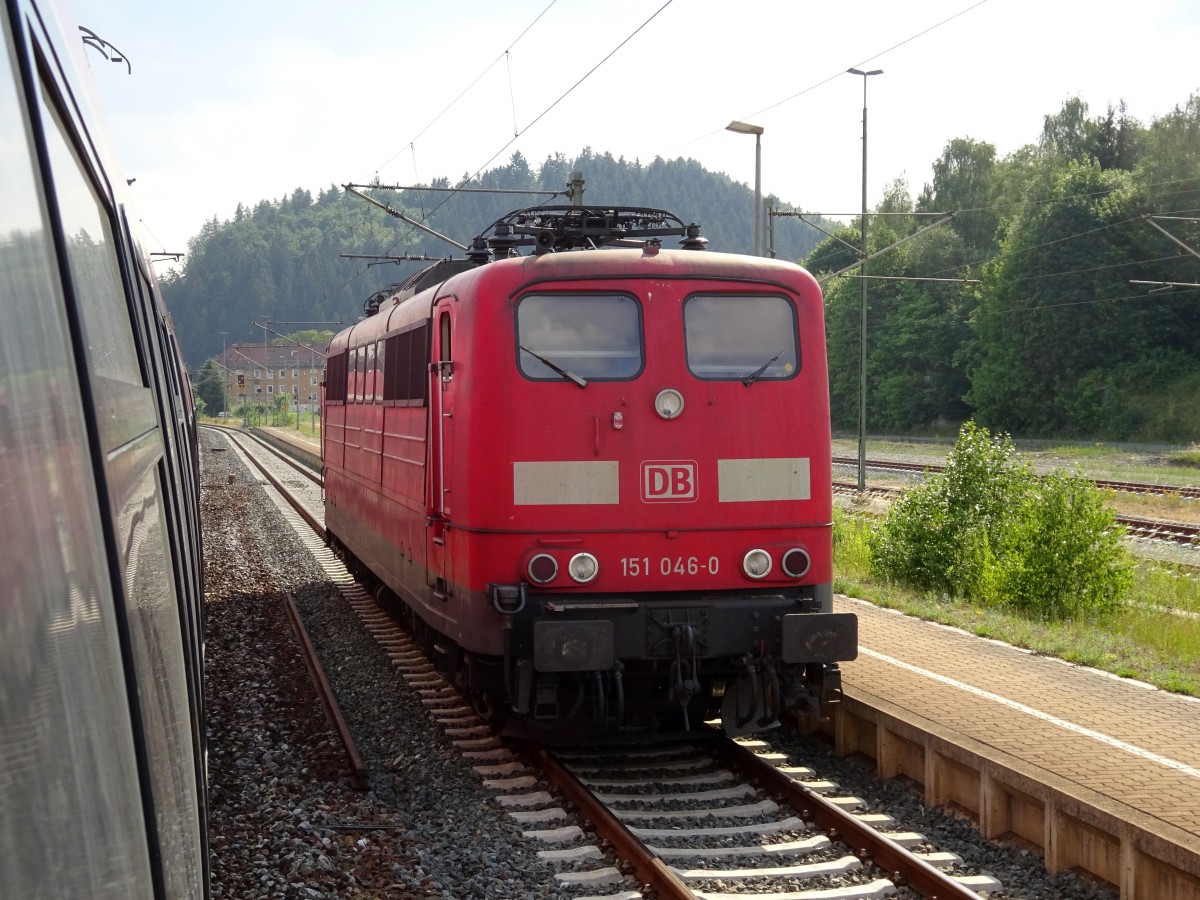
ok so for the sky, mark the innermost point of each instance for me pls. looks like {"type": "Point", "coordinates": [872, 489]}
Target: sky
{"type": "Point", "coordinates": [243, 101]}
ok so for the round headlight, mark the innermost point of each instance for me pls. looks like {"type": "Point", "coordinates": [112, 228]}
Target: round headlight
{"type": "Point", "coordinates": [756, 564]}
{"type": "Point", "coordinates": [668, 403]}
{"type": "Point", "coordinates": [542, 568]}
{"type": "Point", "coordinates": [795, 562]}
{"type": "Point", "coordinates": [583, 567]}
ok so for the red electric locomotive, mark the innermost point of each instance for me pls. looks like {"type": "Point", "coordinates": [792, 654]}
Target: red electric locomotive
{"type": "Point", "coordinates": [597, 480]}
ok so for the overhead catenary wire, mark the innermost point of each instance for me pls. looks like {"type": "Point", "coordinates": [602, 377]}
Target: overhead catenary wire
{"type": "Point", "coordinates": [537, 119]}
{"type": "Point", "coordinates": [411, 143]}
{"type": "Point", "coordinates": [840, 72]}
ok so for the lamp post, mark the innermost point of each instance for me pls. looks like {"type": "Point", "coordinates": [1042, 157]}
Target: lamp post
{"type": "Point", "coordinates": [225, 380]}
{"type": "Point", "coordinates": [862, 280]}
{"type": "Point", "coordinates": [756, 130]}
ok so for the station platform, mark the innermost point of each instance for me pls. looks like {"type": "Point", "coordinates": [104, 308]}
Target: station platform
{"type": "Point", "coordinates": [292, 436]}
{"type": "Point", "coordinates": [1098, 772]}
{"type": "Point", "coordinates": [305, 448]}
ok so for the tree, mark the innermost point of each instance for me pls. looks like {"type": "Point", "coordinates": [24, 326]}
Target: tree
{"type": "Point", "coordinates": [210, 386]}
{"type": "Point", "coordinates": [1057, 336]}
{"type": "Point", "coordinates": [963, 182]}
{"type": "Point", "coordinates": [1068, 135]}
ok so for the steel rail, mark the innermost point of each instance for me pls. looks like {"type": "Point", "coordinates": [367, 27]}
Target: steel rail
{"type": "Point", "coordinates": [1127, 487]}
{"type": "Point", "coordinates": [305, 470]}
{"type": "Point", "coordinates": [318, 527]}
{"type": "Point", "coordinates": [902, 866]}
{"type": "Point", "coordinates": [333, 713]}
{"type": "Point", "coordinates": [651, 871]}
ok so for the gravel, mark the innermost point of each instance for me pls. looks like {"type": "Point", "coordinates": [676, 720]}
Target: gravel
{"type": "Point", "coordinates": [284, 821]}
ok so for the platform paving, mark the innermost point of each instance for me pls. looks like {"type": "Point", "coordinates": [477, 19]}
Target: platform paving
{"type": "Point", "coordinates": [1123, 739]}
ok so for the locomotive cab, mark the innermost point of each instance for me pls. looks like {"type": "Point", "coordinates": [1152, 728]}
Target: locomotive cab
{"type": "Point", "coordinates": [626, 488]}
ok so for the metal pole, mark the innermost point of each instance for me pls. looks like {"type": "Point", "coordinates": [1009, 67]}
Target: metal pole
{"type": "Point", "coordinates": [862, 327]}
{"type": "Point", "coordinates": [225, 380]}
{"type": "Point", "coordinates": [756, 130]}
{"type": "Point", "coordinates": [758, 194]}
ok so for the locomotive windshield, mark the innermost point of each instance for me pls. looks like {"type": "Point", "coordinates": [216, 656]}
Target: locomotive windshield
{"type": "Point", "coordinates": [748, 338]}
{"type": "Point", "coordinates": [579, 337]}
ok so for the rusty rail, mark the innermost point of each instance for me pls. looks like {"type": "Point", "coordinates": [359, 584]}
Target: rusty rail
{"type": "Point", "coordinates": [333, 713]}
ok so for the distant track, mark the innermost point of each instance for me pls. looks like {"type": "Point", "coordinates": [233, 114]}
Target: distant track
{"type": "Point", "coordinates": [1175, 532]}
{"type": "Point", "coordinates": [1125, 487]}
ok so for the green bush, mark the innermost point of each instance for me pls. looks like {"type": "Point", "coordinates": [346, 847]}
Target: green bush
{"type": "Point", "coordinates": [988, 529]}
{"type": "Point", "coordinates": [1061, 556]}
{"type": "Point", "coordinates": [937, 535]}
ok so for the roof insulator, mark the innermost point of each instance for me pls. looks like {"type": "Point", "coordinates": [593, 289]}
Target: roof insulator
{"type": "Point", "coordinates": [479, 253]}
{"type": "Point", "coordinates": [692, 239]}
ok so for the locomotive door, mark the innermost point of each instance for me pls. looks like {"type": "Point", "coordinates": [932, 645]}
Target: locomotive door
{"type": "Point", "coordinates": [441, 437]}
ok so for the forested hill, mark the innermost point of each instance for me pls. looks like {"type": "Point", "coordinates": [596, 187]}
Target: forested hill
{"type": "Point", "coordinates": [1079, 315]}
{"type": "Point", "coordinates": [283, 259]}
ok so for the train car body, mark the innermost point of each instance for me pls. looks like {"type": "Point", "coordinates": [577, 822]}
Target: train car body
{"type": "Point", "coordinates": [102, 778]}
{"type": "Point", "coordinates": [600, 481]}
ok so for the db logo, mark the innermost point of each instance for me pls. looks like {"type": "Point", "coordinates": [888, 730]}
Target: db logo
{"type": "Point", "coordinates": [669, 482]}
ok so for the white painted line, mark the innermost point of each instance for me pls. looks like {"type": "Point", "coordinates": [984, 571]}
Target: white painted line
{"type": "Point", "coordinates": [1038, 714]}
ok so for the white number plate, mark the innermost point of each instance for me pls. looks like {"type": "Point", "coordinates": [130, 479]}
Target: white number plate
{"type": "Point", "coordinates": [644, 566]}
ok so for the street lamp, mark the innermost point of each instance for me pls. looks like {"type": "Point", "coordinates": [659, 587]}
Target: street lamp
{"type": "Point", "coordinates": [225, 392]}
{"type": "Point", "coordinates": [756, 130]}
{"type": "Point", "coordinates": [862, 280]}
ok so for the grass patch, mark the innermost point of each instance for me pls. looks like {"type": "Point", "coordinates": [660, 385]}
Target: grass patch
{"type": "Point", "coordinates": [1144, 638]}
{"type": "Point", "coordinates": [1189, 457]}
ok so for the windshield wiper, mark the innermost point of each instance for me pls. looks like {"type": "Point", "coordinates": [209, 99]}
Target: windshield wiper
{"type": "Point", "coordinates": [758, 373]}
{"type": "Point", "coordinates": [565, 373]}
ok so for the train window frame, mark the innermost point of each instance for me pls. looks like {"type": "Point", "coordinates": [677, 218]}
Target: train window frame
{"type": "Point", "coordinates": [766, 362]}
{"type": "Point", "coordinates": [532, 369]}
{"type": "Point", "coordinates": [367, 355]}
{"type": "Point", "coordinates": [355, 373]}
{"type": "Point", "coordinates": [336, 378]}
{"type": "Point", "coordinates": [98, 285]}
{"type": "Point", "coordinates": [406, 381]}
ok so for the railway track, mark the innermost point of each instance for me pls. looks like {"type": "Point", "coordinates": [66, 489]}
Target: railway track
{"type": "Point", "coordinates": [303, 505]}
{"type": "Point", "coordinates": [730, 819]}
{"type": "Point", "coordinates": [1127, 487]}
{"type": "Point", "coordinates": [668, 816]}
{"type": "Point", "coordinates": [709, 820]}
{"type": "Point", "coordinates": [1152, 529]}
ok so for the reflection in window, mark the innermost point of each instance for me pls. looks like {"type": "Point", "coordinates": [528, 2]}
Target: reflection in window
{"type": "Point", "coordinates": [100, 293]}
{"type": "Point", "coordinates": [736, 337]}
{"type": "Point", "coordinates": [593, 336]}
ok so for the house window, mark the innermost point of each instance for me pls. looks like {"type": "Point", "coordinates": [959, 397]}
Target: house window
{"type": "Point", "coordinates": [270, 388]}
